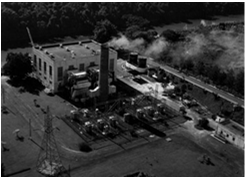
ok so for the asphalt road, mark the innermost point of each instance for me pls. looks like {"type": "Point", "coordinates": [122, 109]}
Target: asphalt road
{"type": "Point", "coordinates": [194, 81]}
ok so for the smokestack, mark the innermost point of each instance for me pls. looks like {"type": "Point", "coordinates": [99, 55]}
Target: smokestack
{"type": "Point", "coordinates": [104, 60]}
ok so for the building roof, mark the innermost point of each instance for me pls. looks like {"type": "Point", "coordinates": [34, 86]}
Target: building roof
{"type": "Point", "coordinates": [71, 50]}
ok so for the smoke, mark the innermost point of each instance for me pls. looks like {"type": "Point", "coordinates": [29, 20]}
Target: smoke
{"type": "Point", "coordinates": [156, 48]}
{"type": "Point", "coordinates": [195, 45]}
{"type": "Point", "coordinates": [137, 45]}
{"type": "Point", "coordinates": [225, 48]}
{"type": "Point", "coordinates": [233, 44]}
{"type": "Point", "coordinates": [140, 46]}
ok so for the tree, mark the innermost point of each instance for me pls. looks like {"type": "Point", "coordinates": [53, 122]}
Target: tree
{"type": "Point", "coordinates": [104, 31]}
{"type": "Point", "coordinates": [58, 19]}
{"type": "Point", "coordinates": [230, 79]}
{"type": "Point", "coordinates": [199, 67]}
{"type": "Point", "coordinates": [213, 73]}
{"type": "Point", "coordinates": [171, 35]}
{"type": "Point", "coordinates": [18, 65]}
{"type": "Point", "coordinates": [202, 123]}
{"type": "Point", "coordinates": [136, 20]}
{"type": "Point", "coordinates": [183, 88]}
{"type": "Point", "coordinates": [132, 31]}
{"type": "Point", "coordinates": [177, 90]}
{"type": "Point", "coordinates": [239, 82]}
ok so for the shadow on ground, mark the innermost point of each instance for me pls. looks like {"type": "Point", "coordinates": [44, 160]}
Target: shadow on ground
{"type": "Point", "coordinates": [29, 84]}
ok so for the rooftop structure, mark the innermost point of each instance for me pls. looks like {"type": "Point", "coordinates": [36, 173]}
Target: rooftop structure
{"type": "Point", "coordinates": [72, 50]}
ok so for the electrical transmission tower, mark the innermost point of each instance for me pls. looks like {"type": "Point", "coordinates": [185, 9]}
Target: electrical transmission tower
{"type": "Point", "coordinates": [49, 162]}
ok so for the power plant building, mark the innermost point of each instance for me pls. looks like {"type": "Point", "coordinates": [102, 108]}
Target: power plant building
{"type": "Point", "coordinates": [75, 65]}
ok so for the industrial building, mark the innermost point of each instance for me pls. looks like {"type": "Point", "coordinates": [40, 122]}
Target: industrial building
{"type": "Point", "coordinates": [81, 67]}
{"type": "Point", "coordinates": [232, 132]}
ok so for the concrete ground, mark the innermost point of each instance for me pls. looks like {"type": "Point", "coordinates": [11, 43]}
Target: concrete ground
{"type": "Point", "coordinates": [157, 158]}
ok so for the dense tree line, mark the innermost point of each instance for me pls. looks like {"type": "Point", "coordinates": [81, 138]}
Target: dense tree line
{"type": "Point", "coordinates": [212, 73]}
{"type": "Point", "coordinates": [17, 65]}
{"type": "Point", "coordinates": [58, 19]}
{"type": "Point", "coordinates": [203, 62]}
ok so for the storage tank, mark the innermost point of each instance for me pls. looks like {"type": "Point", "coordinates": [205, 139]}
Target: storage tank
{"type": "Point", "coordinates": [140, 113]}
{"type": "Point", "coordinates": [128, 118]}
{"type": "Point", "coordinates": [133, 58]}
{"type": "Point", "coordinates": [161, 108]}
{"type": "Point", "coordinates": [142, 62]}
{"type": "Point", "coordinates": [150, 111]}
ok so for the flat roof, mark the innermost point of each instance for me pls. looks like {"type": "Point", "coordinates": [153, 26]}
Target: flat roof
{"type": "Point", "coordinates": [71, 50]}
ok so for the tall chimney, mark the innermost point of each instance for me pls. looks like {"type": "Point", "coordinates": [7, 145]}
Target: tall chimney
{"type": "Point", "coordinates": [104, 60]}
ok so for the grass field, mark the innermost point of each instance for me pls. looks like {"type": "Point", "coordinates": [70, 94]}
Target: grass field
{"type": "Point", "coordinates": [214, 105]}
{"type": "Point", "coordinates": [157, 158]}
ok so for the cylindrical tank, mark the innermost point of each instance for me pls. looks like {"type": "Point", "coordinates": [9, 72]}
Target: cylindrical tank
{"type": "Point", "coordinates": [128, 118]}
{"type": "Point", "coordinates": [88, 129]}
{"type": "Point", "coordinates": [113, 123]}
{"type": "Point", "coordinates": [150, 111]}
{"type": "Point", "coordinates": [161, 108]}
{"type": "Point", "coordinates": [142, 62]}
{"type": "Point", "coordinates": [133, 58]}
{"type": "Point", "coordinates": [140, 113]}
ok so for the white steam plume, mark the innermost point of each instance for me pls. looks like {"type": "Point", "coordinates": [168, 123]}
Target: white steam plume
{"type": "Point", "coordinates": [195, 44]}
{"type": "Point", "coordinates": [136, 45]}
{"type": "Point", "coordinates": [156, 48]}
{"type": "Point", "coordinates": [139, 45]}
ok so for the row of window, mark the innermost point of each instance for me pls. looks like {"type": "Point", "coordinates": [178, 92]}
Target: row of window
{"type": "Point", "coordinates": [227, 135]}
{"type": "Point", "coordinates": [40, 65]}
{"type": "Point", "coordinates": [60, 69]}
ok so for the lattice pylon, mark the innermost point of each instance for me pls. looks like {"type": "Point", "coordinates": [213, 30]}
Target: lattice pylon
{"type": "Point", "coordinates": [49, 162]}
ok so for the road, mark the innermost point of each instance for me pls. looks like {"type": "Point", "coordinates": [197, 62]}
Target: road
{"type": "Point", "coordinates": [194, 81]}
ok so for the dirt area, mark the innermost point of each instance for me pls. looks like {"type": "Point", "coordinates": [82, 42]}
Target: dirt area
{"type": "Point", "coordinates": [157, 158]}
{"type": "Point", "coordinates": [162, 158]}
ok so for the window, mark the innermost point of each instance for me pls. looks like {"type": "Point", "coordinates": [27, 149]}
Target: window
{"type": "Point", "coordinates": [92, 63]}
{"type": "Point", "coordinates": [81, 67]}
{"type": "Point", "coordinates": [35, 61]}
{"type": "Point", "coordinates": [45, 67]}
{"type": "Point", "coordinates": [111, 64]}
{"type": "Point", "coordinates": [71, 67]}
{"type": "Point", "coordinates": [40, 64]}
{"type": "Point", "coordinates": [50, 70]}
{"type": "Point", "coordinates": [60, 73]}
